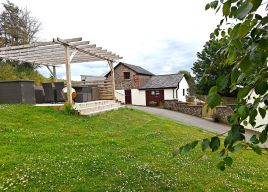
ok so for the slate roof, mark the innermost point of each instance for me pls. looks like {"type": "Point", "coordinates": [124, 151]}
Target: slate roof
{"type": "Point", "coordinates": [163, 81]}
{"type": "Point", "coordinates": [135, 68]}
{"type": "Point", "coordinates": [138, 69]}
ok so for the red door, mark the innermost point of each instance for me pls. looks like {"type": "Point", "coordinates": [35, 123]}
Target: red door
{"type": "Point", "coordinates": [154, 97]}
{"type": "Point", "coordinates": [128, 99]}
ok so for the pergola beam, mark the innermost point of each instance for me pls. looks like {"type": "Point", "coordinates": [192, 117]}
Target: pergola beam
{"type": "Point", "coordinates": [68, 40]}
{"type": "Point", "coordinates": [36, 44]}
{"type": "Point", "coordinates": [54, 47]}
{"type": "Point", "coordinates": [51, 53]}
{"type": "Point", "coordinates": [81, 50]}
{"type": "Point", "coordinates": [59, 57]}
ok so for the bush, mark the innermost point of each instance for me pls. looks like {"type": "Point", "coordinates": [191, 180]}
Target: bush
{"type": "Point", "coordinates": [10, 71]}
{"type": "Point", "coordinates": [68, 109]}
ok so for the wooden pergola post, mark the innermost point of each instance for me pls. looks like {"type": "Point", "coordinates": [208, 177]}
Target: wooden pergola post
{"type": "Point", "coordinates": [68, 75]}
{"type": "Point", "coordinates": [110, 63]}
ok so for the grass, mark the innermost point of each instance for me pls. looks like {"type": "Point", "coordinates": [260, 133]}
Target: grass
{"type": "Point", "coordinates": [126, 150]}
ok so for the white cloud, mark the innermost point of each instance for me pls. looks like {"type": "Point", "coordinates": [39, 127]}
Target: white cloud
{"type": "Point", "coordinates": [144, 32]}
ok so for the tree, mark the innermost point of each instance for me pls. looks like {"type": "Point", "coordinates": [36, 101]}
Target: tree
{"type": "Point", "coordinates": [189, 78]}
{"type": "Point", "coordinates": [242, 24]}
{"type": "Point", "coordinates": [17, 26]}
{"type": "Point", "coordinates": [210, 66]}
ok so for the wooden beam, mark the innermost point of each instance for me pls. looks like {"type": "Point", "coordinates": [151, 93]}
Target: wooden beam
{"type": "Point", "coordinates": [54, 73]}
{"type": "Point", "coordinates": [113, 79]}
{"type": "Point", "coordinates": [57, 52]}
{"type": "Point", "coordinates": [52, 53]}
{"type": "Point", "coordinates": [47, 49]}
{"type": "Point", "coordinates": [84, 51]}
{"type": "Point", "coordinates": [56, 40]}
{"type": "Point", "coordinates": [68, 75]}
{"type": "Point", "coordinates": [72, 55]}
{"type": "Point", "coordinates": [51, 72]}
{"type": "Point", "coordinates": [36, 44]}
{"type": "Point", "coordinates": [58, 59]}
{"type": "Point", "coordinates": [53, 56]}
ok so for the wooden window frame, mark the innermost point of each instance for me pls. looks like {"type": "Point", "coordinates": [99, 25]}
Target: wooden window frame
{"type": "Point", "coordinates": [124, 75]}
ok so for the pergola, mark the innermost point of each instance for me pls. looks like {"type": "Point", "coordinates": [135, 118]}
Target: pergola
{"type": "Point", "coordinates": [58, 52]}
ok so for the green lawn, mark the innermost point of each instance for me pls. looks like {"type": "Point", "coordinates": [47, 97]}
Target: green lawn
{"type": "Point", "coordinates": [126, 150]}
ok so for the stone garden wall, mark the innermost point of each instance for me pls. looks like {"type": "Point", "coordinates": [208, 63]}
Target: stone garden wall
{"type": "Point", "coordinates": [222, 112]}
{"type": "Point", "coordinates": [174, 105]}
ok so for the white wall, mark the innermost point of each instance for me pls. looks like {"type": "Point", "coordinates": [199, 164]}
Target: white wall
{"type": "Point", "coordinates": [183, 85]}
{"type": "Point", "coordinates": [259, 119]}
{"type": "Point", "coordinates": [120, 95]}
{"type": "Point", "coordinates": [138, 97]}
{"type": "Point", "coordinates": [168, 94]}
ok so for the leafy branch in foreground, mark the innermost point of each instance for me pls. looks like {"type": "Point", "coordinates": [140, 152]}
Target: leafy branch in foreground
{"type": "Point", "coordinates": [243, 32]}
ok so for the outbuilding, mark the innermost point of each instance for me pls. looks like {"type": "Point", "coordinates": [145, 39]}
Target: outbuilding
{"type": "Point", "coordinates": [138, 86]}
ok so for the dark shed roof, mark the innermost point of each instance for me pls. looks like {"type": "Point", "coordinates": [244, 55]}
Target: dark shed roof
{"type": "Point", "coordinates": [163, 81]}
{"type": "Point", "coordinates": [135, 68]}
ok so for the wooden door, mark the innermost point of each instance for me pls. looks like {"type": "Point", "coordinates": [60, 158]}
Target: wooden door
{"type": "Point", "coordinates": [154, 97]}
{"type": "Point", "coordinates": [128, 99]}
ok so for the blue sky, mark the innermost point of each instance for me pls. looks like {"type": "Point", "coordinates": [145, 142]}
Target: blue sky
{"type": "Point", "coordinates": [162, 36]}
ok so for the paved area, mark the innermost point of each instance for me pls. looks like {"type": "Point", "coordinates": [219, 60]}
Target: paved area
{"type": "Point", "coordinates": [192, 120]}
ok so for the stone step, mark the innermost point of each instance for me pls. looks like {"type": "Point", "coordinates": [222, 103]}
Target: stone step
{"type": "Point", "coordinates": [95, 107]}
{"type": "Point", "coordinates": [92, 104]}
{"type": "Point", "coordinates": [99, 109]}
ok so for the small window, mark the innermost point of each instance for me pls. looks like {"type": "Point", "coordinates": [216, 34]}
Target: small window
{"type": "Point", "coordinates": [183, 92]}
{"type": "Point", "coordinates": [155, 92]}
{"type": "Point", "coordinates": [126, 75]}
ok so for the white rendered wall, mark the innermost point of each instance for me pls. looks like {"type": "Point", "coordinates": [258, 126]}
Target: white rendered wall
{"type": "Point", "coordinates": [138, 97]}
{"type": "Point", "coordinates": [120, 95]}
{"type": "Point", "coordinates": [183, 85]}
{"type": "Point", "coordinates": [259, 119]}
{"type": "Point", "coordinates": [168, 94]}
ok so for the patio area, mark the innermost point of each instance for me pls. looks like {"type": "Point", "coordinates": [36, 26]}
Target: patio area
{"type": "Point", "coordinates": [87, 97]}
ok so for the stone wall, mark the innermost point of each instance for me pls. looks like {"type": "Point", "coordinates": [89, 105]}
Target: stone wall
{"type": "Point", "coordinates": [174, 105]}
{"type": "Point", "coordinates": [135, 81]}
{"type": "Point", "coordinates": [222, 112]}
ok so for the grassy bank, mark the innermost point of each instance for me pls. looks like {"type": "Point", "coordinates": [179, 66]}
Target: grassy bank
{"type": "Point", "coordinates": [126, 150]}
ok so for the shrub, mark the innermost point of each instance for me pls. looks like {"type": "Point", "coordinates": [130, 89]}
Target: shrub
{"type": "Point", "coordinates": [68, 109]}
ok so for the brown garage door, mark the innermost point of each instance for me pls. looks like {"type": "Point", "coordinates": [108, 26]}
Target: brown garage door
{"type": "Point", "coordinates": [154, 97]}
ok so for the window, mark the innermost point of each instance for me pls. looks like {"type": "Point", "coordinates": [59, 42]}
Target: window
{"type": "Point", "coordinates": [155, 92]}
{"type": "Point", "coordinates": [126, 75]}
{"type": "Point", "coordinates": [183, 92]}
